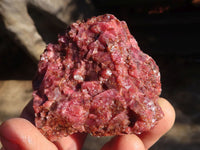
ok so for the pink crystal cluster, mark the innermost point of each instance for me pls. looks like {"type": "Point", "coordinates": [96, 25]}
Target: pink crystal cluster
{"type": "Point", "coordinates": [96, 80]}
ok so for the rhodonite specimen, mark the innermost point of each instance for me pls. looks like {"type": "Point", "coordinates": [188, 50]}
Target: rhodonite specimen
{"type": "Point", "coordinates": [96, 80]}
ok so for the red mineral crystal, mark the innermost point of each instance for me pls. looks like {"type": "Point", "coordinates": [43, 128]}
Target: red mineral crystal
{"type": "Point", "coordinates": [96, 80]}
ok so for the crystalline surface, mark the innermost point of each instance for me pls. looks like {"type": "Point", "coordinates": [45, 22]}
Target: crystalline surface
{"type": "Point", "coordinates": [96, 80]}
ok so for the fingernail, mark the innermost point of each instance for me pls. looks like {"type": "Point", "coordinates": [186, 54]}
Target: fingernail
{"type": "Point", "coordinates": [9, 145]}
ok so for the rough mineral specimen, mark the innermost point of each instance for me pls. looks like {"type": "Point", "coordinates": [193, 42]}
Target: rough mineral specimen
{"type": "Point", "coordinates": [96, 80]}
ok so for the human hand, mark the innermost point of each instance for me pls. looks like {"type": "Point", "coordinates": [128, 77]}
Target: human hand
{"type": "Point", "coordinates": [21, 134]}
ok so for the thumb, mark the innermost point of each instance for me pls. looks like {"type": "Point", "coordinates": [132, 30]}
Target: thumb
{"type": "Point", "coordinates": [20, 134]}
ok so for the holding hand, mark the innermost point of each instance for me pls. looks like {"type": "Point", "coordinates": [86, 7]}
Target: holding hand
{"type": "Point", "coordinates": [21, 134]}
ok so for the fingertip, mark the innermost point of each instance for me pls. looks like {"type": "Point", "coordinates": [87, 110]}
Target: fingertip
{"type": "Point", "coordinates": [169, 114]}
{"type": "Point", "coordinates": [163, 125]}
{"type": "Point", "coordinates": [130, 142]}
{"type": "Point", "coordinates": [124, 142]}
{"type": "Point", "coordinates": [74, 142]}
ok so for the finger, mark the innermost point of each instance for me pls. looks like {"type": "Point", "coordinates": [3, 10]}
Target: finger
{"type": "Point", "coordinates": [164, 125]}
{"type": "Point", "coordinates": [72, 142]}
{"type": "Point", "coordinates": [124, 142]}
{"type": "Point", "coordinates": [20, 134]}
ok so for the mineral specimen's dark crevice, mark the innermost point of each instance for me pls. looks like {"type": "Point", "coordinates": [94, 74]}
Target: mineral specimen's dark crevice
{"type": "Point", "coordinates": [133, 117]}
{"type": "Point", "coordinates": [96, 80]}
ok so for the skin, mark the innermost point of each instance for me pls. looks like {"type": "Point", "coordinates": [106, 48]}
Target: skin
{"type": "Point", "coordinates": [21, 134]}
